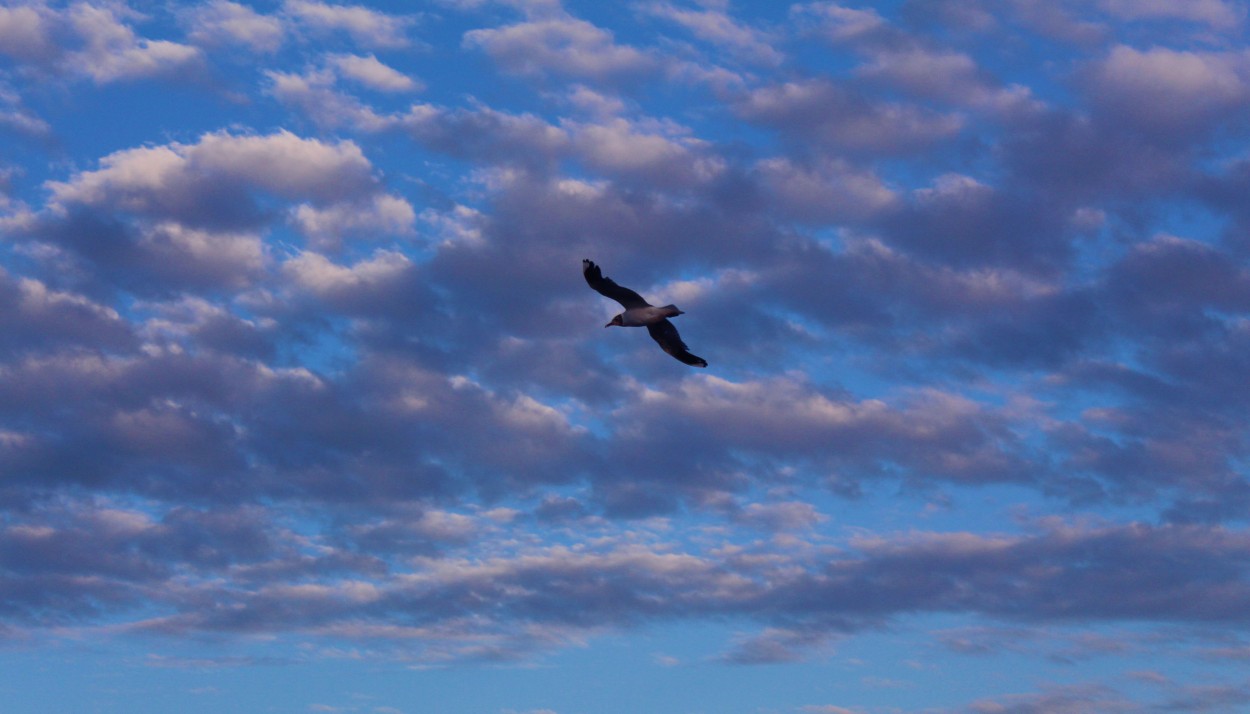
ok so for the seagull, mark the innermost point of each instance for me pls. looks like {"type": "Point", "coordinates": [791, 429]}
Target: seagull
{"type": "Point", "coordinates": [639, 312]}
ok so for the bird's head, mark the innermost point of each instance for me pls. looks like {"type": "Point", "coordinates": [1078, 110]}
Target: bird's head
{"type": "Point", "coordinates": [619, 321]}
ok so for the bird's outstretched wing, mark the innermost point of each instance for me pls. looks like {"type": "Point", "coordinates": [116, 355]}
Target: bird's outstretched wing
{"type": "Point", "coordinates": [666, 335]}
{"type": "Point", "coordinates": [608, 288]}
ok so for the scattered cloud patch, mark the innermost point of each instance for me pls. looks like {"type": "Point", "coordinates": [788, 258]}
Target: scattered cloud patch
{"type": "Point", "coordinates": [296, 359]}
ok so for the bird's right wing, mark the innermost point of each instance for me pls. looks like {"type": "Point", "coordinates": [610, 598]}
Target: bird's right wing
{"type": "Point", "coordinates": [666, 335]}
{"type": "Point", "coordinates": [608, 288]}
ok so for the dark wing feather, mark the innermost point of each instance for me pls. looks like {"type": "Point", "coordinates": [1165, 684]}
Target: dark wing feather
{"type": "Point", "coordinates": [608, 288]}
{"type": "Point", "coordinates": [664, 333]}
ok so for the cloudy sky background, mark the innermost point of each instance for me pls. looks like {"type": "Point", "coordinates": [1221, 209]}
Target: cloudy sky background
{"type": "Point", "coordinates": [305, 406]}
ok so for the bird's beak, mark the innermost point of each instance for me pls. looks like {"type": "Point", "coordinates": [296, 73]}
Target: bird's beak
{"type": "Point", "coordinates": [608, 325]}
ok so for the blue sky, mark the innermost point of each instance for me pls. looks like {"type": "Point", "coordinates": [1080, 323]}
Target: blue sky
{"type": "Point", "coordinates": [305, 405]}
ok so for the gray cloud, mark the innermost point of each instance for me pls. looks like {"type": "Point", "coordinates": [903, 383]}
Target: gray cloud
{"type": "Point", "coordinates": [198, 183]}
{"type": "Point", "coordinates": [35, 317]}
{"type": "Point", "coordinates": [364, 25]}
{"type": "Point", "coordinates": [820, 110]}
{"type": "Point", "coordinates": [1061, 574]}
{"type": "Point", "coordinates": [91, 41]}
{"type": "Point", "coordinates": [347, 386]}
{"type": "Point", "coordinates": [224, 22]}
{"type": "Point", "coordinates": [562, 45]}
{"type": "Point", "coordinates": [1170, 93]}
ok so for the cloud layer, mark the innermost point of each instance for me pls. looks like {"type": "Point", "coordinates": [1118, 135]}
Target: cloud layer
{"type": "Point", "coordinates": [308, 356]}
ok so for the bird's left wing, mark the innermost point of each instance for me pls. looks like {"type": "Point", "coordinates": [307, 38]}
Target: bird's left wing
{"type": "Point", "coordinates": [666, 335]}
{"type": "Point", "coordinates": [608, 287]}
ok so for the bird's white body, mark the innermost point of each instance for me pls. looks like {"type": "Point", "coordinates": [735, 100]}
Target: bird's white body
{"type": "Point", "coordinates": [649, 315]}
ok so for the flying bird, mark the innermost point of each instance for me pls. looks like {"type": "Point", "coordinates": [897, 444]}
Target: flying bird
{"type": "Point", "coordinates": [639, 312]}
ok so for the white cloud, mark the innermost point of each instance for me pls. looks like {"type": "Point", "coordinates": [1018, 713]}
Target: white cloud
{"type": "Point", "coordinates": [1171, 90]}
{"type": "Point", "coordinates": [33, 309]}
{"type": "Point", "coordinates": [25, 33]}
{"type": "Point", "coordinates": [1217, 14]}
{"type": "Point", "coordinates": [226, 22]}
{"type": "Point", "coordinates": [382, 213]}
{"type": "Point", "coordinates": [840, 23]}
{"type": "Point", "coordinates": [178, 179]}
{"type": "Point", "coordinates": [314, 94]}
{"type": "Point", "coordinates": [621, 146]}
{"type": "Point", "coordinates": [91, 41]}
{"type": "Point", "coordinates": [190, 256]}
{"type": "Point", "coordinates": [717, 27]}
{"type": "Point", "coordinates": [284, 163]}
{"type": "Point", "coordinates": [461, 225]}
{"type": "Point", "coordinates": [114, 53]}
{"type": "Point", "coordinates": [319, 275]}
{"type": "Point", "coordinates": [952, 77]}
{"type": "Point", "coordinates": [367, 70]}
{"type": "Point", "coordinates": [20, 119]}
{"type": "Point", "coordinates": [828, 112]}
{"type": "Point", "coordinates": [367, 27]}
{"type": "Point", "coordinates": [561, 46]}
{"type": "Point", "coordinates": [935, 432]}
{"type": "Point", "coordinates": [595, 103]}
{"type": "Point", "coordinates": [485, 134]}
{"type": "Point", "coordinates": [830, 189]}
